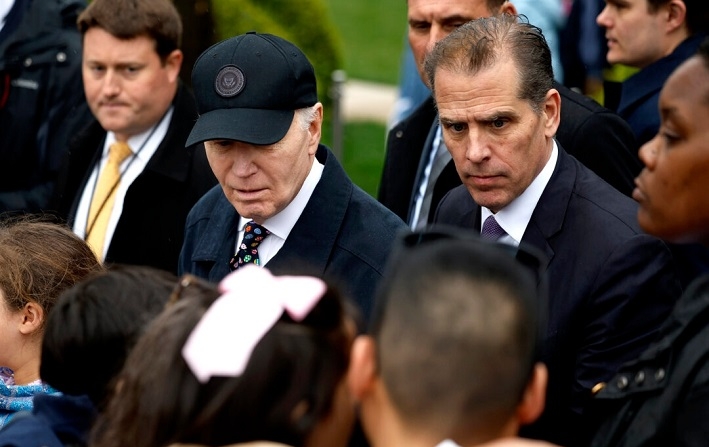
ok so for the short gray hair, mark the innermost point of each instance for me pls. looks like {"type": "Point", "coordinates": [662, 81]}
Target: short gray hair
{"type": "Point", "coordinates": [306, 116]}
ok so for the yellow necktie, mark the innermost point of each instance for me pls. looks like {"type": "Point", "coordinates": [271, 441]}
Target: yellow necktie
{"type": "Point", "coordinates": [104, 196]}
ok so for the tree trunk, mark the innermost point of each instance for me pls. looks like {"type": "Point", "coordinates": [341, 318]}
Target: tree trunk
{"type": "Point", "coordinates": [198, 32]}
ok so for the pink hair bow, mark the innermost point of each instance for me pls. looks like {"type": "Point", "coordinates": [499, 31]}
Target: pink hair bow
{"type": "Point", "coordinates": [253, 300]}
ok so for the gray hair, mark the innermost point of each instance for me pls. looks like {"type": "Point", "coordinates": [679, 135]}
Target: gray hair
{"type": "Point", "coordinates": [306, 116]}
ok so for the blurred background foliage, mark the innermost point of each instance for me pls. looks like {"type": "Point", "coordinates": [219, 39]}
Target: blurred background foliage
{"type": "Point", "coordinates": [306, 23]}
{"type": "Point", "coordinates": [363, 37]}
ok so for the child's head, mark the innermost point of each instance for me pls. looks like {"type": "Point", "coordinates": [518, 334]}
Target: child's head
{"type": "Point", "coordinates": [95, 324]}
{"type": "Point", "coordinates": [39, 259]}
{"type": "Point", "coordinates": [193, 378]}
{"type": "Point", "coordinates": [452, 352]}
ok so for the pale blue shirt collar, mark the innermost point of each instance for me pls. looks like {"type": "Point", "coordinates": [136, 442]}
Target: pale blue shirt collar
{"type": "Point", "coordinates": [515, 217]}
{"type": "Point", "coordinates": [281, 224]}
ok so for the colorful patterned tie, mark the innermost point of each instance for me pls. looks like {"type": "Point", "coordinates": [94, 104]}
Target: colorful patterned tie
{"type": "Point", "coordinates": [254, 234]}
{"type": "Point", "coordinates": [492, 230]}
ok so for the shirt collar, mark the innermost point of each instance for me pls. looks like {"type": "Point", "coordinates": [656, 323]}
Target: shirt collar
{"type": "Point", "coordinates": [282, 223]}
{"type": "Point", "coordinates": [144, 144]}
{"type": "Point", "coordinates": [515, 217]}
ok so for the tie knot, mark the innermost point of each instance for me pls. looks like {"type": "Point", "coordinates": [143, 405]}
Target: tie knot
{"type": "Point", "coordinates": [492, 230]}
{"type": "Point", "coordinates": [252, 230]}
{"type": "Point", "coordinates": [118, 152]}
{"type": "Point", "coordinates": [247, 253]}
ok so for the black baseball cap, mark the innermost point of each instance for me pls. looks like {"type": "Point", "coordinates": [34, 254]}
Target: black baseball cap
{"type": "Point", "coordinates": [248, 87]}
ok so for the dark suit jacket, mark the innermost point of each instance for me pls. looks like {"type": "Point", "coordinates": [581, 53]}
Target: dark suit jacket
{"type": "Point", "coordinates": [610, 287]}
{"type": "Point", "coordinates": [596, 136]}
{"type": "Point", "coordinates": [343, 235]}
{"type": "Point", "coordinates": [636, 99]}
{"type": "Point", "coordinates": [151, 227]}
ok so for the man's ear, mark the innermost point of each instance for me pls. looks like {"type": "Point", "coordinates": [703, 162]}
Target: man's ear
{"type": "Point", "coordinates": [315, 129]}
{"type": "Point", "coordinates": [534, 397]}
{"type": "Point", "coordinates": [508, 8]}
{"type": "Point", "coordinates": [173, 63]}
{"type": "Point", "coordinates": [363, 367]}
{"type": "Point", "coordinates": [676, 15]}
{"type": "Point", "coordinates": [32, 318]}
{"type": "Point", "coordinates": [552, 112]}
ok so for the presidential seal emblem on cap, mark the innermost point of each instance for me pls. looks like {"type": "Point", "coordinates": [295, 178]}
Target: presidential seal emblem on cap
{"type": "Point", "coordinates": [229, 82]}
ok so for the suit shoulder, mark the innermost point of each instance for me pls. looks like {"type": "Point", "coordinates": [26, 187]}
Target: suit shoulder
{"type": "Point", "coordinates": [608, 202]}
{"type": "Point", "coordinates": [420, 118]}
{"type": "Point", "coordinates": [369, 229]}
{"type": "Point", "coordinates": [578, 109]}
{"type": "Point", "coordinates": [368, 208]}
{"type": "Point", "coordinates": [571, 98]}
{"type": "Point", "coordinates": [459, 198]}
{"type": "Point", "coordinates": [210, 202]}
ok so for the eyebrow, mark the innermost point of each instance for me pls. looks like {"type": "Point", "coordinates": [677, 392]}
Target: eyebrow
{"type": "Point", "coordinates": [671, 114]}
{"type": "Point", "coordinates": [480, 118]}
{"type": "Point", "coordinates": [445, 20]}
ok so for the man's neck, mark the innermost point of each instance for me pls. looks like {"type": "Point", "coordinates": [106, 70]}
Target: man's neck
{"type": "Point", "coordinates": [675, 39]}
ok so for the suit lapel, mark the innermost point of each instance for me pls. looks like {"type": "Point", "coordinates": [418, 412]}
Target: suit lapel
{"type": "Point", "coordinates": [549, 214]}
{"type": "Point", "coordinates": [325, 211]}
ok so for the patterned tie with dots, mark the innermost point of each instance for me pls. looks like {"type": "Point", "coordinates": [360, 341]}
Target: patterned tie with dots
{"type": "Point", "coordinates": [492, 230]}
{"type": "Point", "coordinates": [254, 234]}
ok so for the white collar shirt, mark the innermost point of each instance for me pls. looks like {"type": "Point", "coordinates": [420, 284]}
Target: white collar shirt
{"type": "Point", "coordinates": [144, 146]}
{"type": "Point", "coordinates": [281, 224]}
{"type": "Point", "coordinates": [515, 217]}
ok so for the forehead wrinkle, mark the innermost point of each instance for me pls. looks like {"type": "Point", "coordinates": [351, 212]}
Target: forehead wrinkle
{"type": "Point", "coordinates": [485, 104]}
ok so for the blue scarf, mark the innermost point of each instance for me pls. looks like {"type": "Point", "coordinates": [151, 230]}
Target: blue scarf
{"type": "Point", "coordinates": [14, 398]}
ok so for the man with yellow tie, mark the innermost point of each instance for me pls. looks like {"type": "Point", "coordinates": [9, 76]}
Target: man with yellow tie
{"type": "Point", "coordinates": [128, 182]}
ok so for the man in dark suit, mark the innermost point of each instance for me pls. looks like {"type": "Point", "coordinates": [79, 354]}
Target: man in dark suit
{"type": "Point", "coordinates": [596, 136]}
{"type": "Point", "coordinates": [131, 65]}
{"type": "Point", "coordinates": [284, 201]}
{"type": "Point", "coordinates": [610, 285]}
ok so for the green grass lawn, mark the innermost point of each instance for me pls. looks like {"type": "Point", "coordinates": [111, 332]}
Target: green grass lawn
{"type": "Point", "coordinates": [372, 32]}
{"type": "Point", "coordinates": [363, 152]}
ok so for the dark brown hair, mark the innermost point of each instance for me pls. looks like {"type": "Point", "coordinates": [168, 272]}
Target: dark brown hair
{"type": "Point", "coordinates": [476, 314]}
{"type": "Point", "coordinates": [96, 323]}
{"type": "Point", "coordinates": [39, 259]}
{"type": "Point", "coordinates": [128, 19]}
{"type": "Point", "coordinates": [479, 43]}
{"type": "Point", "coordinates": [287, 387]}
{"type": "Point", "coordinates": [697, 16]}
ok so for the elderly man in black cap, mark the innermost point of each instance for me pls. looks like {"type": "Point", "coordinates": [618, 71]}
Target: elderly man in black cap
{"type": "Point", "coordinates": [284, 201]}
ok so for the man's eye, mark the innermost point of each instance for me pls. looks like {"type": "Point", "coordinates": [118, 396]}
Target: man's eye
{"type": "Point", "coordinates": [498, 123]}
{"type": "Point", "coordinates": [420, 26]}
